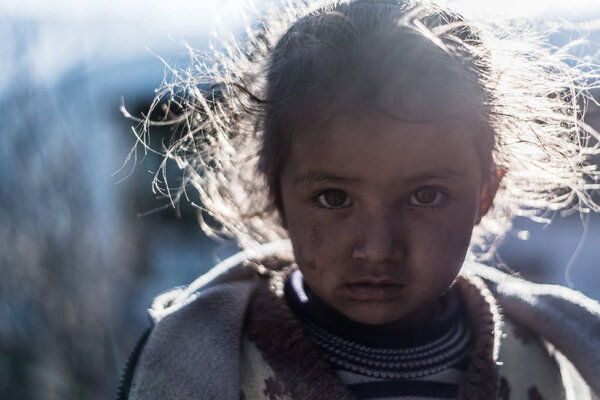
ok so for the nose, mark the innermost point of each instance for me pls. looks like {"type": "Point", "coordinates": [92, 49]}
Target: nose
{"type": "Point", "coordinates": [379, 240]}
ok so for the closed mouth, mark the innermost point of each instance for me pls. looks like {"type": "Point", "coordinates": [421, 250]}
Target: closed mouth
{"type": "Point", "coordinates": [373, 290]}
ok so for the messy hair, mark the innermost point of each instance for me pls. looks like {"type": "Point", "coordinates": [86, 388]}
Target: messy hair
{"type": "Point", "coordinates": [241, 106]}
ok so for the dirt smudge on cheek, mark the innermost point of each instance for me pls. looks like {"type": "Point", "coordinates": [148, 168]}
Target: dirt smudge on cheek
{"type": "Point", "coordinates": [311, 246]}
{"type": "Point", "coordinates": [455, 242]}
{"type": "Point", "coordinates": [304, 258]}
{"type": "Point", "coordinates": [316, 241]}
{"type": "Point", "coordinates": [316, 236]}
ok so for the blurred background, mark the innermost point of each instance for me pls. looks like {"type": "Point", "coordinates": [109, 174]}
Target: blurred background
{"type": "Point", "coordinates": [84, 243]}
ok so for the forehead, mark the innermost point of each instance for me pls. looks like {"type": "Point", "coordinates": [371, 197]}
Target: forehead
{"type": "Point", "coordinates": [397, 71]}
{"type": "Point", "coordinates": [376, 147]}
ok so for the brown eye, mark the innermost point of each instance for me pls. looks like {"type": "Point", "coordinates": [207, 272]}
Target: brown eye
{"type": "Point", "coordinates": [334, 198]}
{"type": "Point", "coordinates": [427, 196]}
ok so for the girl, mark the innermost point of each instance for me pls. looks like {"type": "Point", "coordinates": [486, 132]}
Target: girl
{"type": "Point", "coordinates": [375, 135]}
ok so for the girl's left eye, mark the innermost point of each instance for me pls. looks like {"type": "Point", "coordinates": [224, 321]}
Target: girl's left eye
{"type": "Point", "coordinates": [427, 196]}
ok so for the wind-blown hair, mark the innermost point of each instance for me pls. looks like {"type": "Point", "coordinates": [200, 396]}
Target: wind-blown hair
{"type": "Point", "coordinates": [242, 106]}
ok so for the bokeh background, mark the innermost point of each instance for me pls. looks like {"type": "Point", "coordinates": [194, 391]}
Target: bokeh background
{"type": "Point", "coordinates": [85, 244]}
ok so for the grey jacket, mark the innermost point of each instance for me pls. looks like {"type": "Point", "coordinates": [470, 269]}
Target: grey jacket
{"type": "Point", "coordinates": [193, 350]}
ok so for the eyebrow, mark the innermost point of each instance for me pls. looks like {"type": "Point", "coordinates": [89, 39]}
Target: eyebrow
{"type": "Point", "coordinates": [315, 177]}
{"type": "Point", "coordinates": [446, 173]}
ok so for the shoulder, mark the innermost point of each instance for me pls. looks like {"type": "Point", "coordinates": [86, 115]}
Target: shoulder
{"type": "Point", "coordinates": [194, 347]}
{"type": "Point", "coordinates": [193, 350]}
{"type": "Point", "coordinates": [509, 361]}
{"type": "Point", "coordinates": [550, 317]}
{"type": "Point", "coordinates": [241, 267]}
{"type": "Point", "coordinates": [527, 367]}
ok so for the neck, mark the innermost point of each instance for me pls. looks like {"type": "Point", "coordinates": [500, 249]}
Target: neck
{"type": "Point", "coordinates": [410, 329]}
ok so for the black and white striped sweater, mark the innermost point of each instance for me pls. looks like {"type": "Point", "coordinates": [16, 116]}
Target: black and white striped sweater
{"type": "Point", "coordinates": [387, 362]}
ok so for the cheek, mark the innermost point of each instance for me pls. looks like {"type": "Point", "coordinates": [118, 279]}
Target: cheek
{"type": "Point", "coordinates": [306, 239]}
{"type": "Point", "coordinates": [313, 252]}
{"type": "Point", "coordinates": [443, 236]}
{"type": "Point", "coordinates": [455, 248]}
{"type": "Point", "coordinates": [457, 235]}
{"type": "Point", "coordinates": [317, 244]}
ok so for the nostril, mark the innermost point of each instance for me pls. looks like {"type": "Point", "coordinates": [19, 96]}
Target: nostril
{"type": "Point", "coordinates": [398, 253]}
{"type": "Point", "coordinates": [391, 252]}
{"type": "Point", "coordinates": [379, 240]}
{"type": "Point", "coordinates": [359, 253]}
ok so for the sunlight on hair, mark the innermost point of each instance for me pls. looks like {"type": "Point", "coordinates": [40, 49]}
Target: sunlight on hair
{"type": "Point", "coordinates": [526, 8]}
{"type": "Point", "coordinates": [535, 94]}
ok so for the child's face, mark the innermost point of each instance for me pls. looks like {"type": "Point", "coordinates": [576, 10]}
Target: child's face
{"type": "Point", "coordinates": [380, 213]}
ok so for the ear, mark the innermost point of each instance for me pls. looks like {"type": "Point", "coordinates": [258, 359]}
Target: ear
{"type": "Point", "coordinates": [488, 192]}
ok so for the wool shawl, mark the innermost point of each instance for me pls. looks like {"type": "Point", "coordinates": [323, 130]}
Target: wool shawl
{"type": "Point", "coordinates": [204, 335]}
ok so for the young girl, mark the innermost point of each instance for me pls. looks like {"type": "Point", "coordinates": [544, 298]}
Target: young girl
{"type": "Point", "coordinates": [355, 150]}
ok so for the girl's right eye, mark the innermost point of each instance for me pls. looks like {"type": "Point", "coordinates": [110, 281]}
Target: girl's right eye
{"type": "Point", "coordinates": [333, 199]}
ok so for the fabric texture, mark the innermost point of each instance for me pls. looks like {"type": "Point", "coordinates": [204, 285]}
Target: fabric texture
{"type": "Point", "coordinates": [231, 330]}
{"type": "Point", "coordinates": [387, 361]}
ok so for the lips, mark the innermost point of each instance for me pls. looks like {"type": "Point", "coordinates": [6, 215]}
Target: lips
{"type": "Point", "coordinates": [371, 290]}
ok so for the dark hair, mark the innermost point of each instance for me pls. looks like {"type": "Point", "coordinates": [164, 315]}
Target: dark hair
{"type": "Point", "coordinates": [335, 59]}
{"type": "Point", "coordinates": [303, 65]}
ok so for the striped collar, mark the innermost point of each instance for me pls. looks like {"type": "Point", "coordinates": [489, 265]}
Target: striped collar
{"type": "Point", "coordinates": [383, 351]}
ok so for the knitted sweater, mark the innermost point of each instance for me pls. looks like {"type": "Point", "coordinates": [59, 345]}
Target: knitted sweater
{"type": "Point", "coordinates": [390, 361]}
{"type": "Point", "coordinates": [229, 335]}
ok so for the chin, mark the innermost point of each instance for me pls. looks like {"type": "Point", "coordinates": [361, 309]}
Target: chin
{"type": "Point", "coordinates": [371, 318]}
{"type": "Point", "coordinates": [376, 321]}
